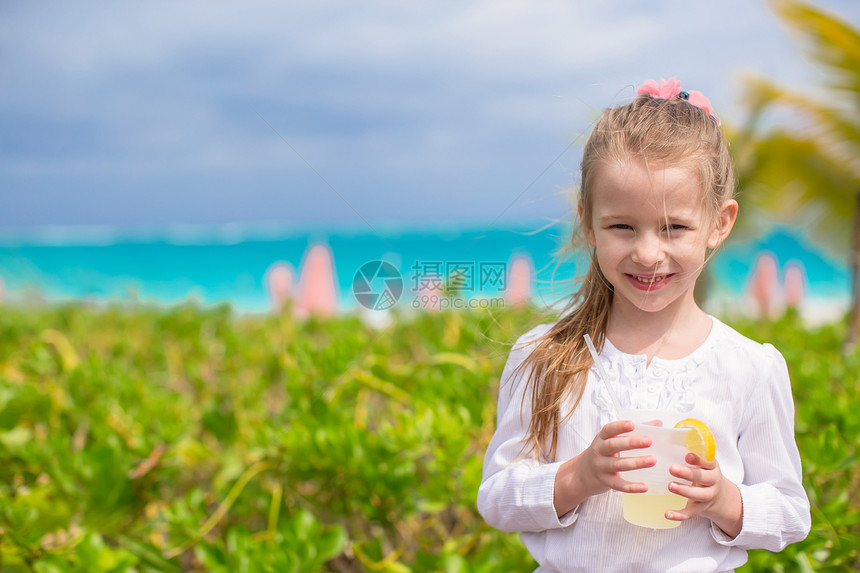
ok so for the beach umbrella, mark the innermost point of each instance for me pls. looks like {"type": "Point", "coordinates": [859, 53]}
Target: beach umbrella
{"type": "Point", "coordinates": [519, 287]}
{"type": "Point", "coordinates": [317, 292]}
{"type": "Point", "coordinates": [279, 284]}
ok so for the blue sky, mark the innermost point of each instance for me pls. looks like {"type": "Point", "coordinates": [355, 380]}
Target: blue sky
{"type": "Point", "coordinates": [340, 114]}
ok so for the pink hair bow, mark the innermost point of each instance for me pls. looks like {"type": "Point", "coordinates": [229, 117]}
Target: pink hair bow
{"type": "Point", "coordinates": [672, 89]}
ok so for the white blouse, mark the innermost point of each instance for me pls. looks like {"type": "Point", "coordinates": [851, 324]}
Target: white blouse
{"type": "Point", "coordinates": [738, 387]}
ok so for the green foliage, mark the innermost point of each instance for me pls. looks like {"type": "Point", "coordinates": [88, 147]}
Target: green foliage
{"type": "Point", "coordinates": [826, 386]}
{"type": "Point", "coordinates": [146, 440]}
{"type": "Point", "coordinates": [134, 439]}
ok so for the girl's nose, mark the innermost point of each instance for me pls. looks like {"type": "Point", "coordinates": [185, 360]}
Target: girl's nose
{"type": "Point", "coordinates": [648, 250]}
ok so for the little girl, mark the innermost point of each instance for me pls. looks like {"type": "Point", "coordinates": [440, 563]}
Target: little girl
{"type": "Point", "coordinates": [656, 198]}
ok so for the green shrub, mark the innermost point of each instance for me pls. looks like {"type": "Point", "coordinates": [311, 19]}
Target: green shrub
{"type": "Point", "coordinates": [135, 439]}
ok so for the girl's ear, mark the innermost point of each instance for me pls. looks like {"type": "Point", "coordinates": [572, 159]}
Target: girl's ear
{"type": "Point", "coordinates": [725, 221]}
{"type": "Point", "coordinates": [586, 225]}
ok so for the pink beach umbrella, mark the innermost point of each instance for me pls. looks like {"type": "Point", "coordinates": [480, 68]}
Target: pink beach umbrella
{"type": "Point", "coordinates": [794, 284]}
{"type": "Point", "coordinates": [519, 287]}
{"type": "Point", "coordinates": [430, 294]}
{"type": "Point", "coordinates": [317, 288]}
{"type": "Point", "coordinates": [764, 283]}
{"type": "Point", "coordinates": [279, 284]}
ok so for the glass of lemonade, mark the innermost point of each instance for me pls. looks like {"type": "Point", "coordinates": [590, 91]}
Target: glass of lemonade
{"type": "Point", "coordinates": [669, 446]}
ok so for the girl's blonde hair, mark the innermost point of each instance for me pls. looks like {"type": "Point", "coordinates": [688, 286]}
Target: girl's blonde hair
{"type": "Point", "coordinates": [652, 131]}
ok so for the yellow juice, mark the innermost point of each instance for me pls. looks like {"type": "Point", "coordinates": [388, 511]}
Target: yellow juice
{"type": "Point", "coordinates": [647, 510]}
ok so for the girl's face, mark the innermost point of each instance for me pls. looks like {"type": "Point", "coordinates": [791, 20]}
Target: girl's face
{"type": "Point", "coordinates": [651, 230]}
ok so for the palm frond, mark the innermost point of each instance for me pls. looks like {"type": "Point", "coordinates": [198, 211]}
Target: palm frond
{"type": "Point", "coordinates": [834, 130]}
{"type": "Point", "coordinates": [832, 41]}
{"type": "Point", "coordinates": [796, 181]}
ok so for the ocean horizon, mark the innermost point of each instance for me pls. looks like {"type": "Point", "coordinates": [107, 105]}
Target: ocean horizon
{"type": "Point", "coordinates": [227, 264]}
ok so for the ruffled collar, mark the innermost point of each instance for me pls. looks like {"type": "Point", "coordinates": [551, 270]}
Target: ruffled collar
{"type": "Point", "coordinates": [663, 384]}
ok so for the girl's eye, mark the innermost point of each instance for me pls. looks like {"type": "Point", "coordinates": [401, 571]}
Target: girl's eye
{"type": "Point", "coordinates": [621, 226]}
{"type": "Point", "coordinates": [675, 227]}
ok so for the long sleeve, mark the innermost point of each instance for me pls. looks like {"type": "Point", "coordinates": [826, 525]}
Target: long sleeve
{"type": "Point", "coordinates": [775, 505]}
{"type": "Point", "coordinates": [516, 493]}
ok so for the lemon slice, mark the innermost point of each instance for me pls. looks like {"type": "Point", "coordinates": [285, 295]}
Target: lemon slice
{"type": "Point", "coordinates": [700, 441]}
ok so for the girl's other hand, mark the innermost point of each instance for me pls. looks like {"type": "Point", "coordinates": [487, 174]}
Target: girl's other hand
{"type": "Point", "coordinates": [597, 468]}
{"type": "Point", "coordinates": [710, 495]}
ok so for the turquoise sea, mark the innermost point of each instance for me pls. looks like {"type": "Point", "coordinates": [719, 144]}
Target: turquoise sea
{"type": "Point", "coordinates": [228, 264]}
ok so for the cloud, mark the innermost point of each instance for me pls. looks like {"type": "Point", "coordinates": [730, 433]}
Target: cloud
{"type": "Point", "coordinates": [180, 103]}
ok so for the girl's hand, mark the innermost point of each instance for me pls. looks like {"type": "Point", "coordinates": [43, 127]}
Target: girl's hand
{"type": "Point", "coordinates": [597, 468]}
{"type": "Point", "coordinates": [710, 495]}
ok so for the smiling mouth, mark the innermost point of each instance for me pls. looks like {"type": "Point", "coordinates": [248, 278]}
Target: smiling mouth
{"type": "Point", "coordinates": [649, 280]}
